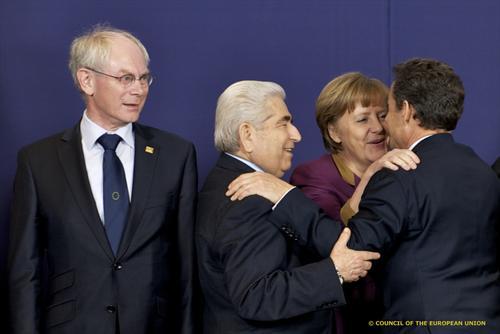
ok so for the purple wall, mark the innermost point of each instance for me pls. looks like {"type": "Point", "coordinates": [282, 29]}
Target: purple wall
{"type": "Point", "coordinates": [200, 47]}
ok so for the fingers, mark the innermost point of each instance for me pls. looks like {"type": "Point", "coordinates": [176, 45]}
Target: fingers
{"type": "Point", "coordinates": [399, 158]}
{"type": "Point", "coordinates": [390, 165]}
{"type": "Point", "coordinates": [257, 183]}
{"type": "Point", "coordinates": [238, 188]}
{"type": "Point", "coordinates": [343, 238]}
{"type": "Point", "coordinates": [403, 162]}
{"type": "Point", "coordinates": [238, 182]}
{"type": "Point", "coordinates": [366, 265]}
{"type": "Point", "coordinates": [413, 156]}
{"type": "Point", "coordinates": [357, 271]}
{"type": "Point", "coordinates": [360, 266]}
{"type": "Point", "coordinates": [367, 256]}
{"type": "Point", "coordinates": [241, 193]}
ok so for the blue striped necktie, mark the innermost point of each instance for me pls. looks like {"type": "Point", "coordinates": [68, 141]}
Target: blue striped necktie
{"type": "Point", "coordinates": [115, 191]}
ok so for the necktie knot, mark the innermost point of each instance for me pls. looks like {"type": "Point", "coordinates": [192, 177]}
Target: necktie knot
{"type": "Point", "coordinates": [109, 142]}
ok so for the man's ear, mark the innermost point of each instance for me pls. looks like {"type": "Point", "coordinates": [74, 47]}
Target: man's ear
{"type": "Point", "coordinates": [85, 81]}
{"type": "Point", "coordinates": [246, 132]}
{"type": "Point", "coordinates": [334, 134]}
{"type": "Point", "coordinates": [408, 112]}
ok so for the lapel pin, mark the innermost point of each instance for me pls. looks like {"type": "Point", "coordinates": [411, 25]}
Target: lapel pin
{"type": "Point", "coordinates": [149, 149]}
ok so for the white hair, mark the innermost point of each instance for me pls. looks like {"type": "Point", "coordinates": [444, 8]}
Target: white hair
{"type": "Point", "coordinates": [93, 47]}
{"type": "Point", "coordinates": [243, 101]}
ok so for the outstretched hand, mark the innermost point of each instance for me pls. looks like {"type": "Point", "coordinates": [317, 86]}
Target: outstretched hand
{"type": "Point", "coordinates": [351, 264]}
{"type": "Point", "coordinates": [258, 183]}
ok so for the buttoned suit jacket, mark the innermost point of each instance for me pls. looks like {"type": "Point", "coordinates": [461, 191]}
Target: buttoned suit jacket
{"type": "Point", "coordinates": [437, 228]}
{"type": "Point", "coordinates": [147, 287]}
{"type": "Point", "coordinates": [254, 277]}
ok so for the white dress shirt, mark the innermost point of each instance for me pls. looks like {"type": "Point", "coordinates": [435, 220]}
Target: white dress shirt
{"type": "Point", "coordinates": [93, 154]}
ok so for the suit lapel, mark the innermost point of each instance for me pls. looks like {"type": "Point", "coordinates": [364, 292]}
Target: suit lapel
{"type": "Point", "coordinates": [146, 156]}
{"type": "Point", "coordinates": [71, 159]}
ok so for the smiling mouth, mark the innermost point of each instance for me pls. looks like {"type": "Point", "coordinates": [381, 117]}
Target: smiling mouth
{"type": "Point", "coordinates": [290, 150]}
{"type": "Point", "coordinates": [377, 141]}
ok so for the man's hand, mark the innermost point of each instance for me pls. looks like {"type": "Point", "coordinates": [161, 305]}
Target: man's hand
{"type": "Point", "coordinates": [257, 183]}
{"type": "Point", "coordinates": [351, 264]}
{"type": "Point", "coordinates": [395, 159]}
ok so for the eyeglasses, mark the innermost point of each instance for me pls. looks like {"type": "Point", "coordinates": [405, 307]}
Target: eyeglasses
{"type": "Point", "coordinates": [128, 79]}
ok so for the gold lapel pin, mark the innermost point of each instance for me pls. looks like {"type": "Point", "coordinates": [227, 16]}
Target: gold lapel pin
{"type": "Point", "coordinates": [149, 149]}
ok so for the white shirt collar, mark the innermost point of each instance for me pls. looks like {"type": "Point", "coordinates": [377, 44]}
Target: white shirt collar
{"type": "Point", "coordinates": [246, 162]}
{"type": "Point", "coordinates": [91, 132]}
{"type": "Point", "coordinates": [418, 141]}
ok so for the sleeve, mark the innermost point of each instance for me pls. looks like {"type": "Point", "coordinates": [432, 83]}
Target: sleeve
{"type": "Point", "coordinates": [261, 282]}
{"type": "Point", "coordinates": [300, 216]}
{"type": "Point", "coordinates": [185, 220]}
{"type": "Point", "coordinates": [25, 253]}
{"type": "Point", "coordinates": [346, 212]}
{"type": "Point", "coordinates": [383, 214]}
{"type": "Point", "coordinates": [382, 217]}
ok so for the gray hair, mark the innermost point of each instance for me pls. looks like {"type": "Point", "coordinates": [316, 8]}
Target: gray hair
{"type": "Point", "coordinates": [243, 101]}
{"type": "Point", "coordinates": [93, 47]}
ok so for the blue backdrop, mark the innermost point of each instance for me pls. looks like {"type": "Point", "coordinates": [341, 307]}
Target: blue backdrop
{"type": "Point", "coordinates": [200, 47]}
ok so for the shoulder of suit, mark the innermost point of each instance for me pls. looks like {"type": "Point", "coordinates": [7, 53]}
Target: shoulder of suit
{"type": "Point", "coordinates": [43, 144]}
{"type": "Point", "coordinates": [162, 135]}
{"type": "Point", "coordinates": [253, 205]}
{"type": "Point", "coordinates": [400, 176]}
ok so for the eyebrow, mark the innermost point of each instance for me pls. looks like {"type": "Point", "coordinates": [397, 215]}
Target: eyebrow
{"type": "Point", "coordinates": [364, 113]}
{"type": "Point", "coordinates": [286, 118]}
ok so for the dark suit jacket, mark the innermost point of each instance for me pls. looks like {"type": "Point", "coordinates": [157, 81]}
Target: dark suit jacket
{"type": "Point", "coordinates": [437, 228]}
{"type": "Point", "coordinates": [147, 287]}
{"type": "Point", "coordinates": [254, 278]}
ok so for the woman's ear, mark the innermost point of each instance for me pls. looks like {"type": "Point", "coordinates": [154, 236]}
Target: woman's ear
{"type": "Point", "coordinates": [334, 134]}
{"type": "Point", "coordinates": [86, 81]}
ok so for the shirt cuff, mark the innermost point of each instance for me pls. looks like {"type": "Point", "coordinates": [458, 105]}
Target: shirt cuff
{"type": "Point", "coordinates": [278, 202]}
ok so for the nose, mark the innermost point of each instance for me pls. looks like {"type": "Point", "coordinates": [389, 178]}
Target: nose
{"type": "Point", "coordinates": [294, 134]}
{"type": "Point", "coordinates": [137, 88]}
{"type": "Point", "coordinates": [376, 126]}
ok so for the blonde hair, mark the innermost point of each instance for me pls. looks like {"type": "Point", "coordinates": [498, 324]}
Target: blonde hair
{"type": "Point", "coordinates": [341, 95]}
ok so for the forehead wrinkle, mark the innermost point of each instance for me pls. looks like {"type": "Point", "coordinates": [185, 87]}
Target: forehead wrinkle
{"type": "Point", "coordinates": [125, 71]}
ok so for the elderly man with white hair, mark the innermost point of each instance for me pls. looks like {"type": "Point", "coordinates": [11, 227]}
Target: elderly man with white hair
{"type": "Point", "coordinates": [255, 276]}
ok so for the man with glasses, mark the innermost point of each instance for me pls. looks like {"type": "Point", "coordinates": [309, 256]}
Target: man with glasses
{"type": "Point", "coordinates": [102, 222]}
